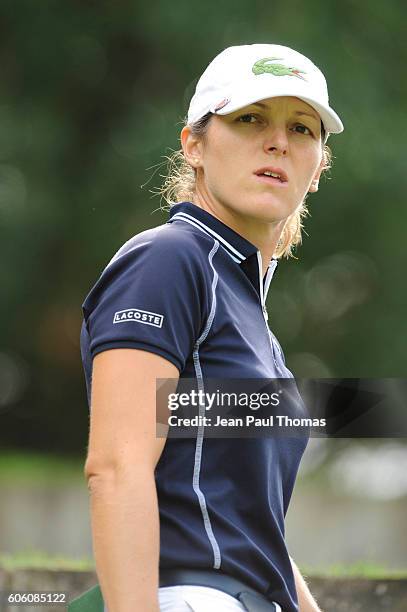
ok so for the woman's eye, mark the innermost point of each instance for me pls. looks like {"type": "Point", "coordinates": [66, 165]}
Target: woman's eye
{"type": "Point", "coordinates": [304, 127]}
{"type": "Point", "coordinates": [247, 118]}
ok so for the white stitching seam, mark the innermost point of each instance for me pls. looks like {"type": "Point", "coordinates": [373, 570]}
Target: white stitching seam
{"type": "Point", "coordinates": [200, 434]}
{"type": "Point", "coordinates": [215, 235]}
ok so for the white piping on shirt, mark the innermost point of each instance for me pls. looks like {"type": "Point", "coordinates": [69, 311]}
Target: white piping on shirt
{"type": "Point", "coordinates": [200, 434]}
{"type": "Point", "coordinates": [269, 275]}
{"type": "Point", "coordinates": [205, 232]}
{"type": "Point", "coordinates": [263, 293]}
{"type": "Point", "coordinates": [203, 227]}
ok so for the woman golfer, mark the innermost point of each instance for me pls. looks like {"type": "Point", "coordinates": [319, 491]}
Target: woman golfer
{"type": "Point", "coordinates": [198, 523]}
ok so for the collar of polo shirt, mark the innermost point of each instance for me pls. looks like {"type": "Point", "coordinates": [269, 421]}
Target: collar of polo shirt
{"type": "Point", "coordinates": [238, 248]}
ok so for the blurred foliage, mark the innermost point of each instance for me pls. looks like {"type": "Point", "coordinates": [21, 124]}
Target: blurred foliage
{"type": "Point", "coordinates": [359, 569]}
{"type": "Point", "coordinates": [91, 97]}
{"type": "Point", "coordinates": [37, 559]}
{"type": "Point", "coordinates": [25, 469]}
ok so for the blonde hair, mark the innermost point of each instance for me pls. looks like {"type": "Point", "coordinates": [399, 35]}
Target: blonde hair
{"type": "Point", "coordinates": [179, 185]}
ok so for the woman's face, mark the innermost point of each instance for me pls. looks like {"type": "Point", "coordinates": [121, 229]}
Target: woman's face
{"type": "Point", "coordinates": [280, 135]}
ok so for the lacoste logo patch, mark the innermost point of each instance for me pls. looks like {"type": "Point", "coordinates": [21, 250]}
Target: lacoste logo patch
{"type": "Point", "coordinates": [264, 65]}
{"type": "Point", "coordinates": [138, 316]}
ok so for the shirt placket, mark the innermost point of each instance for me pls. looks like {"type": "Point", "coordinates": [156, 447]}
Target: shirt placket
{"type": "Point", "coordinates": [263, 293]}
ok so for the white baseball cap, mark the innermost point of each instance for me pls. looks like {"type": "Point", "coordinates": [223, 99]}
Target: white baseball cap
{"type": "Point", "coordinates": [245, 74]}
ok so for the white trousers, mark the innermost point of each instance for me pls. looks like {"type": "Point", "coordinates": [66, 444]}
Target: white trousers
{"type": "Point", "coordinates": [191, 598]}
{"type": "Point", "coordinates": [187, 598]}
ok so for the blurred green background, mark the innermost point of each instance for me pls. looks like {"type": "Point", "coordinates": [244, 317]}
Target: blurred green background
{"type": "Point", "coordinates": [92, 95]}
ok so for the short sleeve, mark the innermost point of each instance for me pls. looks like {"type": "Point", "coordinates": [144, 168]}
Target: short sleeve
{"type": "Point", "coordinates": [153, 296]}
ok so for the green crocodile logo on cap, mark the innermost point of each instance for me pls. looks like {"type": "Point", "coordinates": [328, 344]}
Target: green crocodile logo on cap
{"type": "Point", "coordinates": [263, 65]}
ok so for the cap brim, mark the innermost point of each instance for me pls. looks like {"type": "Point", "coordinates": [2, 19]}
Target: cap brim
{"type": "Point", "coordinates": [330, 119]}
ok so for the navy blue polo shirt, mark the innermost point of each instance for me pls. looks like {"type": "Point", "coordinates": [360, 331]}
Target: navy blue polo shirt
{"type": "Point", "coordinates": [192, 291]}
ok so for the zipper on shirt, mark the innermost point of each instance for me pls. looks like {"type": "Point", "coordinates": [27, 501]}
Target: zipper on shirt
{"type": "Point", "coordinates": [263, 291]}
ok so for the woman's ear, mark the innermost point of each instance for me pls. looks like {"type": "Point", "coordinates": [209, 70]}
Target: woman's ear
{"type": "Point", "coordinates": [315, 181]}
{"type": "Point", "coordinates": [324, 165]}
{"type": "Point", "coordinates": [191, 146]}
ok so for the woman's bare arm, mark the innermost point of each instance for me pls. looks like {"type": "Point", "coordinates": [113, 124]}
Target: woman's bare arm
{"type": "Point", "coordinates": [122, 455]}
{"type": "Point", "coordinates": [306, 601]}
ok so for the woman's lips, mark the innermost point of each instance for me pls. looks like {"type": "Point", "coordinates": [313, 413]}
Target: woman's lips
{"type": "Point", "coordinates": [263, 175]}
{"type": "Point", "coordinates": [270, 180]}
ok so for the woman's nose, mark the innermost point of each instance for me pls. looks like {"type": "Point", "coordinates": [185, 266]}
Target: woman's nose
{"type": "Point", "coordinates": [276, 141]}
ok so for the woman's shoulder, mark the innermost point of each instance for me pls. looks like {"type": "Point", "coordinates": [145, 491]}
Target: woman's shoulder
{"type": "Point", "coordinates": [157, 272]}
{"type": "Point", "coordinates": [164, 256]}
{"type": "Point", "coordinates": [165, 244]}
